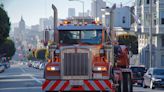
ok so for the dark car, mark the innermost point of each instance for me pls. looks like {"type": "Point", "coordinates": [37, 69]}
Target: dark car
{"type": "Point", "coordinates": [138, 73]}
{"type": "Point", "coordinates": [6, 64]}
{"type": "Point", "coordinates": [153, 78]}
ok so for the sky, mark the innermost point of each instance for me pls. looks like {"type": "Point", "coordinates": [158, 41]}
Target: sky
{"type": "Point", "coordinates": [32, 10]}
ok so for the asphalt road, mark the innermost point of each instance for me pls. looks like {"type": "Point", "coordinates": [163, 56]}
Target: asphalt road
{"type": "Point", "coordinates": [20, 78]}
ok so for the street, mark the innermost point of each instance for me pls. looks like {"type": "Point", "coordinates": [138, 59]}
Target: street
{"type": "Point", "coordinates": [21, 78]}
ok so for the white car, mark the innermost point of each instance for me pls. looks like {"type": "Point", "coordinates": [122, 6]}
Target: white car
{"type": "Point", "coordinates": [41, 66]}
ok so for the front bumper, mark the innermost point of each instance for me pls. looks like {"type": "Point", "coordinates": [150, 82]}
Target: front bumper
{"type": "Point", "coordinates": [83, 85]}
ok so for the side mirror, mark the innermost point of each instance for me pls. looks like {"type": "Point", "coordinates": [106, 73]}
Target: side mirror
{"type": "Point", "coordinates": [150, 74]}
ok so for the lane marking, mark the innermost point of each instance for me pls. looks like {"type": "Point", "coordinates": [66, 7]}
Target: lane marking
{"type": "Point", "coordinates": [22, 75]}
{"type": "Point", "coordinates": [19, 80]}
{"type": "Point", "coordinates": [22, 70]}
{"type": "Point", "coordinates": [19, 88]}
{"type": "Point", "coordinates": [36, 79]}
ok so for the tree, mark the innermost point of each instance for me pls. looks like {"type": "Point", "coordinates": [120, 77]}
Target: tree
{"type": "Point", "coordinates": [7, 48]}
{"type": "Point", "coordinates": [4, 24]}
{"type": "Point", "coordinates": [40, 54]}
{"type": "Point", "coordinates": [129, 40]}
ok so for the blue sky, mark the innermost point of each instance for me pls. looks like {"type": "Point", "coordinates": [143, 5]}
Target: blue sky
{"type": "Point", "coordinates": [32, 10]}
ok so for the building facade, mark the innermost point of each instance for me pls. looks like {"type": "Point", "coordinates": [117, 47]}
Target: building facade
{"type": "Point", "coordinates": [71, 12]}
{"type": "Point", "coordinates": [121, 16]}
{"type": "Point", "coordinates": [142, 10]}
{"type": "Point", "coordinates": [96, 7]}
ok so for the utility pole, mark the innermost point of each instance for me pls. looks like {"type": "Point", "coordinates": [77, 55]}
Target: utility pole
{"type": "Point", "coordinates": [150, 34]}
{"type": "Point", "coordinates": [112, 31]}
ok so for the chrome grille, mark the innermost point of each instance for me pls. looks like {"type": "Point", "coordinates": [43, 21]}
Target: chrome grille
{"type": "Point", "coordinates": [76, 64]}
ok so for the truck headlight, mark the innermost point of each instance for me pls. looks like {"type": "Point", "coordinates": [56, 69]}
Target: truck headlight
{"type": "Point", "coordinates": [53, 68]}
{"type": "Point", "coordinates": [156, 79]}
{"type": "Point", "coordinates": [100, 68]}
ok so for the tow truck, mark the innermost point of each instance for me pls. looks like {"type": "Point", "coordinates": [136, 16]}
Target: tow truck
{"type": "Point", "coordinates": [85, 59]}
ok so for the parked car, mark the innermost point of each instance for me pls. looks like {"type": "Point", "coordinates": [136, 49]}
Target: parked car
{"type": "Point", "coordinates": [153, 78]}
{"type": "Point", "coordinates": [42, 65]}
{"type": "Point", "coordinates": [6, 64]}
{"type": "Point", "coordinates": [2, 68]}
{"type": "Point", "coordinates": [138, 73]}
{"type": "Point", "coordinates": [29, 64]}
{"type": "Point", "coordinates": [37, 65]}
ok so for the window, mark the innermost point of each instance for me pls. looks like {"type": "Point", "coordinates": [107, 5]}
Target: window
{"type": "Point", "coordinates": [154, 1]}
{"type": "Point", "coordinates": [162, 17]}
{"type": "Point", "coordinates": [80, 36]}
{"type": "Point", "coordinates": [162, 20]}
{"type": "Point", "coordinates": [162, 60]}
{"type": "Point", "coordinates": [146, 19]}
{"type": "Point", "coordinates": [162, 41]}
{"type": "Point", "coordinates": [123, 19]}
{"type": "Point", "coordinates": [155, 18]}
{"type": "Point", "coordinates": [139, 2]}
{"type": "Point", "coordinates": [147, 1]}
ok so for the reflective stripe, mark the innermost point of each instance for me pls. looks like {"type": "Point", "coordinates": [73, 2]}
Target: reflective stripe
{"type": "Point", "coordinates": [60, 85]}
{"type": "Point", "coordinates": [99, 85]}
{"type": "Point", "coordinates": [54, 85]}
{"type": "Point", "coordinates": [45, 84]}
{"type": "Point", "coordinates": [65, 86]}
{"type": "Point", "coordinates": [108, 83]}
{"type": "Point", "coordinates": [104, 84]}
{"type": "Point", "coordinates": [94, 85]}
{"type": "Point", "coordinates": [88, 85]}
{"type": "Point", "coordinates": [50, 85]}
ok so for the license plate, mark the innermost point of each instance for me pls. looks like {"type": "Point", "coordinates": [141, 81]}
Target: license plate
{"type": "Point", "coordinates": [76, 82]}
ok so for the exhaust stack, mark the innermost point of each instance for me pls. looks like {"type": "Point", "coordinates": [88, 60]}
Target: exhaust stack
{"type": "Point", "coordinates": [55, 23]}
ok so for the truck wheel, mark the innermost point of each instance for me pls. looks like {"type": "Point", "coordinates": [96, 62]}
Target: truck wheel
{"type": "Point", "coordinates": [120, 87]}
{"type": "Point", "coordinates": [127, 83]}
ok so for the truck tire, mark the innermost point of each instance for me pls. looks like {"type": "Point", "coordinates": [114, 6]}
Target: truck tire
{"type": "Point", "coordinates": [127, 85]}
{"type": "Point", "coordinates": [120, 87]}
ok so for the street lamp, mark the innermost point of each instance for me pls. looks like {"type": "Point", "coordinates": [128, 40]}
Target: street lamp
{"type": "Point", "coordinates": [82, 6]}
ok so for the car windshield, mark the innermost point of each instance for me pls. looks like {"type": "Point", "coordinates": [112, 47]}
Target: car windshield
{"type": "Point", "coordinates": [81, 36]}
{"type": "Point", "coordinates": [138, 69]}
{"type": "Point", "coordinates": [158, 72]}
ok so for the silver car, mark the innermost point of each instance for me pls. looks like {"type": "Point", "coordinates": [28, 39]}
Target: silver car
{"type": "Point", "coordinates": [2, 68]}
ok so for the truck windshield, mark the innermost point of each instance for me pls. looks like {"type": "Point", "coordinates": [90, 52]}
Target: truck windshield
{"type": "Point", "coordinates": [80, 36]}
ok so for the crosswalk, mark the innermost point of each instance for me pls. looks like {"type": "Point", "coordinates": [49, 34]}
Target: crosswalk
{"type": "Point", "coordinates": [21, 78]}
